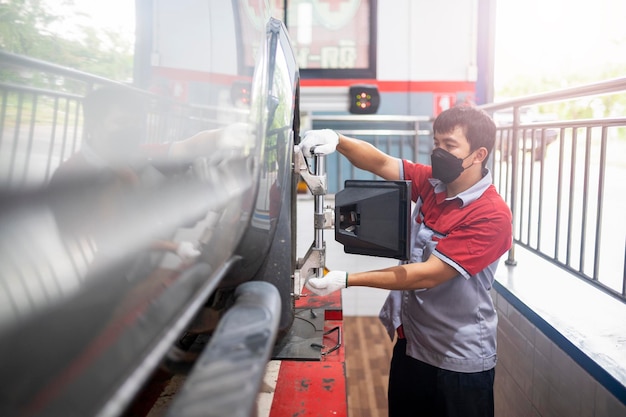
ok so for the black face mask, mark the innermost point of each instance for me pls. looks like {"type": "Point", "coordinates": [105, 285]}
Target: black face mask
{"type": "Point", "coordinates": [446, 167]}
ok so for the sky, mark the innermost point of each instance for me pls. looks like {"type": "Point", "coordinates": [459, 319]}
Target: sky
{"type": "Point", "coordinates": [533, 37]}
{"type": "Point", "coordinates": [117, 15]}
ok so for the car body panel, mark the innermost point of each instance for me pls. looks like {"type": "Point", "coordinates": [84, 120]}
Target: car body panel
{"type": "Point", "coordinates": [91, 301]}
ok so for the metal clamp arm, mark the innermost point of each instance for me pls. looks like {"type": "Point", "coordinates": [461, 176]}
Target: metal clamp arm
{"type": "Point", "coordinates": [314, 261]}
{"type": "Point", "coordinates": [316, 183]}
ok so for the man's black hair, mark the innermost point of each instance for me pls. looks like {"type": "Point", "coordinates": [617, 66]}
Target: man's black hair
{"type": "Point", "coordinates": [478, 127]}
{"type": "Point", "coordinates": [100, 102]}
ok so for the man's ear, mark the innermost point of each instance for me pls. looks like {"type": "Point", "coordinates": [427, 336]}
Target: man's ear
{"type": "Point", "coordinates": [481, 154]}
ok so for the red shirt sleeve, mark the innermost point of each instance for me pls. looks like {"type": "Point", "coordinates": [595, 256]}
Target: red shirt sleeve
{"type": "Point", "coordinates": [470, 237]}
{"type": "Point", "coordinates": [481, 237]}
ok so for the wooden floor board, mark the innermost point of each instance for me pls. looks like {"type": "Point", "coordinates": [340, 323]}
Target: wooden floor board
{"type": "Point", "coordinates": [368, 353]}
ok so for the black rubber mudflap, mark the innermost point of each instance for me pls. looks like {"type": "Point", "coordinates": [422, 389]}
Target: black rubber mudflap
{"type": "Point", "coordinates": [228, 374]}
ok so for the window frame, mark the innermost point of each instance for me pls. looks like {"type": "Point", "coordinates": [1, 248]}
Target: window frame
{"type": "Point", "coordinates": [347, 73]}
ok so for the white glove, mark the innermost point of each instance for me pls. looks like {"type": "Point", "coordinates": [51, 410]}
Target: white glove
{"type": "Point", "coordinates": [331, 282]}
{"type": "Point", "coordinates": [187, 252]}
{"type": "Point", "coordinates": [323, 141]}
{"type": "Point", "coordinates": [236, 135]}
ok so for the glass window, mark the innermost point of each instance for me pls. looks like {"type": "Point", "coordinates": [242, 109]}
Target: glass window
{"type": "Point", "coordinates": [333, 38]}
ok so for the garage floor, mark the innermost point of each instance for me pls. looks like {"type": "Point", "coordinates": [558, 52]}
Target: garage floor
{"type": "Point", "coordinates": [368, 354]}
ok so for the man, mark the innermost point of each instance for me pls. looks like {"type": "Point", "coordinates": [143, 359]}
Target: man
{"type": "Point", "coordinates": [114, 164]}
{"type": "Point", "coordinates": [440, 305]}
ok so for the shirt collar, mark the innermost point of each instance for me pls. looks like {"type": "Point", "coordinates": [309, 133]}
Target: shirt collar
{"type": "Point", "coordinates": [92, 157]}
{"type": "Point", "coordinates": [468, 196]}
{"type": "Point", "coordinates": [96, 161]}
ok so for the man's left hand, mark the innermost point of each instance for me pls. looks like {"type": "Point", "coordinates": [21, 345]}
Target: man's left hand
{"type": "Point", "coordinates": [321, 142]}
{"type": "Point", "coordinates": [187, 251]}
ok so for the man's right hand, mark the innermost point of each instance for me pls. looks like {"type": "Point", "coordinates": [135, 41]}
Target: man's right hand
{"type": "Point", "coordinates": [329, 283]}
{"type": "Point", "coordinates": [322, 141]}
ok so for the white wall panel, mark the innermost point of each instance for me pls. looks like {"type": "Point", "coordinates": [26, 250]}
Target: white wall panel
{"type": "Point", "coordinates": [425, 40]}
{"type": "Point", "coordinates": [194, 27]}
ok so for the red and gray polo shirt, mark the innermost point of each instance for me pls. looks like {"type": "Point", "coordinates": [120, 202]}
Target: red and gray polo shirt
{"type": "Point", "coordinates": [453, 325]}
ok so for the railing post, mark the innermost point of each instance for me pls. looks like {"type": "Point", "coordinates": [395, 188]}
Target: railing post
{"type": "Point", "coordinates": [416, 141]}
{"type": "Point", "coordinates": [624, 274]}
{"type": "Point", "coordinates": [514, 149]}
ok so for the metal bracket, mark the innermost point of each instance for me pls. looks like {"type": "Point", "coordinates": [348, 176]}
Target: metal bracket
{"type": "Point", "coordinates": [326, 219]}
{"type": "Point", "coordinates": [317, 183]}
{"type": "Point", "coordinates": [314, 261]}
{"type": "Point", "coordinates": [312, 264]}
{"type": "Point", "coordinates": [338, 344]}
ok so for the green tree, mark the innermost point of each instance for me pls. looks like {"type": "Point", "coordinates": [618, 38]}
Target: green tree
{"type": "Point", "coordinates": [26, 29]}
{"type": "Point", "coordinates": [604, 106]}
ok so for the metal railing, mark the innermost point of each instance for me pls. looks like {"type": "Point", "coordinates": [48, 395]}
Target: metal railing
{"type": "Point", "coordinates": [406, 137]}
{"type": "Point", "coordinates": [41, 117]}
{"type": "Point", "coordinates": [563, 180]}
{"type": "Point", "coordinates": [564, 184]}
